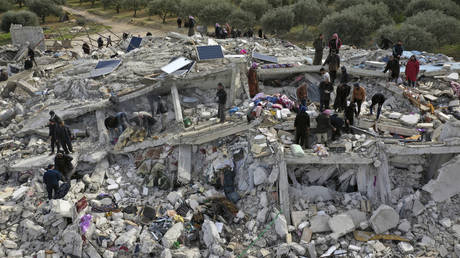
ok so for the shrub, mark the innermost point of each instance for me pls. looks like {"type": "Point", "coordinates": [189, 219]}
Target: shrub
{"type": "Point", "coordinates": [241, 19]}
{"type": "Point", "coordinates": [445, 28]}
{"type": "Point", "coordinates": [21, 17]}
{"type": "Point", "coordinates": [212, 11]}
{"type": "Point", "coordinates": [446, 6]}
{"type": "Point", "coordinates": [395, 7]}
{"type": "Point", "coordinates": [257, 7]}
{"type": "Point", "coordinates": [5, 5]}
{"type": "Point", "coordinates": [413, 37]}
{"type": "Point", "coordinates": [309, 12]}
{"type": "Point", "coordinates": [163, 7]}
{"type": "Point", "coordinates": [278, 20]}
{"type": "Point", "coordinates": [44, 8]}
{"type": "Point", "coordinates": [344, 4]}
{"type": "Point", "coordinates": [81, 21]}
{"type": "Point", "coordinates": [355, 24]}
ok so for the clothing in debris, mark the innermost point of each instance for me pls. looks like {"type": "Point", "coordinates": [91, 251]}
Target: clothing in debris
{"type": "Point", "coordinates": [100, 42]}
{"type": "Point", "coordinates": [342, 92]}
{"type": "Point", "coordinates": [333, 60]}
{"type": "Point", "coordinates": [86, 48]}
{"type": "Point", "coordinates": [412, 70]}
{"type": "Point", "coordinates": [385, 43]}
{"type": "Point", "coordinates": [253, 82]}
{"type": "Point", "coordinates": [221, 100]}
{"type": "Point", "coordinates": [302, 126]}
{"type": "Point", "coordinates": [393, 66]}
{"type": "Point", "coordinates": [301, 94]}
{"type": "Point", "coordinates": [51, 179]}
{"type": "Point", "coordinates": [63, 163]}
{"type": "Point", "coordinates": [318, 44]}
{"type": "Point", "coordinates": [334, 44]}
{"type": "Point", "coordinates": [337, 123]}
{"type": "Point", "coordinates": [325, 89]}
{"type": "Point", "coordinates": [398, 50]}
{"type": "Point", "coordinates": [378, 99]}
{"type": "Point", "coordinates": [359, 95]}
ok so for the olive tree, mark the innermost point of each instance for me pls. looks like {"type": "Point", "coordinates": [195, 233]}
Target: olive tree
{"type": "Point", "coordinates": [257, 7]}
{"type": "Point", "coordinates": [446, 29]}
{"type": "Point", "coordinates": [242, 19]}
{"type": "Point", "coordinates": [163, 7]}
{"type": "Point", "coordinates": [446, 6]}
{"type": "Point", "coordinates": [278, 20]}
{"type": "Point", "coordinates": [309, 12]}
{"type": "Point", "coordinates": [413, 37]}
{"type": "Point", "coordinates": [25, 18]}
{"type": "Point", "coordinates": [44, 8]}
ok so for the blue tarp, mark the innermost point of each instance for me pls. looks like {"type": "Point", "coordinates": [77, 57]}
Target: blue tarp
{"type": "Point", "coordinates": [104, 67]}
{"type": "Point", "coordinates": [135, 43]}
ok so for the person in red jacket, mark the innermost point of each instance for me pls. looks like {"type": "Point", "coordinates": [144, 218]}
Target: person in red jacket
{"type": "Point", "coordinates": [412, 69]}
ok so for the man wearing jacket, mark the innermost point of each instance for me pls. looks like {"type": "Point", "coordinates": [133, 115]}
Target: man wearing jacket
{"type": "Point", "coordinates": [302, 127]}
{"type": "Point", "coordinates": [51, 179]}
{"type": "Point", "coordinates": [323, 124]}
{"type": "Point", "coordinates": [359, 95]}
{"type": "Point", "coordinates": [333, 60]}
{"type": "Point", "coordinates": [393, 66]}
{"type": "Point", "coordinates": [221, 96]}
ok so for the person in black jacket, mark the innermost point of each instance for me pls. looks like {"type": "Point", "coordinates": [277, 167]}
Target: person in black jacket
{"type": "Point", "coordinates": [333, 60]}
{"type": "Point", "coordinates": [52, 135]}
{"type": "Point", "coordinates": [337, 123]}
{"type": "Point", "coordinates": [378, 99]}
{"type": "Point", "coordinates": [100, 42]}
{"type": "Point", "coordinates": [342, 92]}
{"type": "Point", "coordinates": [51, 179]}
{"type": "Point", "coordinates": [86, 48]}
{"type": "Point", "coordinates": [63, 136]}
{"type": "Point", "coordinates": [385, 43]}
{"type": "Point", "coordinates": [323, 125]}
{"type": "Point", "coordinates": [398, 50]}
{"type": "Point", "coordinates": [325, 89]}
{"type": "Point", "coordinates": [350, 113]}
{"type": "Point", "coordinates": [393, 66]}
{"type": "Point", "coordinates": [221, 100]}
{"type": "Point", "coordinates": [302, 127]}
{"type": "Point", "coordinates": [344, 78]}
{"type": "Point", "coordinates": [318, 45]}
{"type": "Point", "coordinates": [179, 22]}
{"type": "Point", "coordinates": [63, 163]}
{"type": "Point", "coordinates": [28, 64]}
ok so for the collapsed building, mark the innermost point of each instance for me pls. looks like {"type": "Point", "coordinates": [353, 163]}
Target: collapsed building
{"type": "Point", "coordinates": [390, 189]}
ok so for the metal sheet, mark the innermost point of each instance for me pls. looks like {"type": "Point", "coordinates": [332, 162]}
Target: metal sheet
{"type": "Point", "coordinates": [175, 65]}
{"type": "Point", "coordinates": [209, 52]}
{"type": "Point", "coordinates": [271, 59]}
{"type": "Point", "coordinates": [134, 43]}
{"type": "Point", "coordinates": [104, 67]}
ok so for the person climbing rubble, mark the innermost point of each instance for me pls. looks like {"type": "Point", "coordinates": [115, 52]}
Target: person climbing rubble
{"type": "Point", "coordinates": [221, 101]}
{"type": "Point", "coordinates": [86, 48]}
{"type": "Point", "coordinates": [349, 114]}
{"type": "Point", "coordinates": [325, 89]}
{"type": "Point", "coordinates": [318, 45]}
{"type": "Point", "coordinates": [323, 125]}
{"type": "Point", "coordinates": [338, 124]}
{"type": "Point", "coordinates": [341, 96]}
{"type": "Point", "coordinates": [100, 42]}
{"type": "Point", "coordinates": [51, 179]}
{"type": "Point", "coordinates": [393, 66]}
{"type": "Point", "coordinates": [109, 41]}
{"type": "Point", "coordinates": [63, 163]}
{"type": "Point", "coordinates": [378, 99]}
{"type": "Point", "coordinates": [302, 127]}
{"type": "Point", "coordinates": [301, 94]}
{"type": "Point", "coordinates": [412, 70]}
{"type": "Point", "coordinates": [116, 125]}
{"type": "Point", "coordinates": [398, 50]}
{"type": "Point", "coordinates": [334, 44]}
{"type": "Point", "coordinates": [358, 97]}
{"type": "Point", "coordinates": [144, 120]}
{"type": "Point", "coordinates": [253, 80]}
{"type": "Point", "coordinates": [333, 60]}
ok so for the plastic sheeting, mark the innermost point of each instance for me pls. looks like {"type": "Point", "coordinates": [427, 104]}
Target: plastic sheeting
{"type": "Point", "coordinates": [104, 67]}
{"type": "Point", "coordinates": [134, 43]}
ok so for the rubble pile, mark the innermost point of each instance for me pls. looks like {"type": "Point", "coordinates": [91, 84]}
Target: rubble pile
{"type": "Point", "coordinates": [240, 188]}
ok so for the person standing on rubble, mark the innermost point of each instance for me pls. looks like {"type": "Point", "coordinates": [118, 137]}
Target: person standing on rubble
{"type": "Point", "coordinates": [323, 124]}
{"type": "Point", "coordinates": [221, 100]}
{"type": "Point", "coordinates": [179, 22]}
{"type": "Point", "coordinates": [412, 69]}
{"type": "Point", "coordinates": [28, 64]}
{"type": "Point", "coordinates": [302, 127]}
{"type": "Point", "coordinates": [398, 50]}
{"type": "Point", "coordinates": [261, 33]}
{"type": "Point", "coordinates": [342, 92]}
{"type": "Point", "coordinates": [100, 42]}
{"type": "Point", "coordinates": [344, 78]}
{"type": "Point", "coordinates": [359, 95]}
{"type": "Point", "coordinates": [253, 80]}
{"type": "Point", "coordinates": [51, 179]}
{"type": "Point", "coordinates": [334, 44]}
{"type": "Point", "coordinates": [333, 60]}
{"type": "Point", "coordinates": [350, 112]}
{"type": "Point", "coordinates": [86, 48]}
{"type": "Point", "coordinates": [31, 55]}
{"type": "Point", "coordinates": [63, 137]}
{"type": "Point", "coordinates": [393, 66]}
{"type": "Point", "coordinates": [109, 41]}
{"type": "Point", "coordinates": [63, 163]}
{"type": "Point", "coordinates": [325, 89]}
{"type": "Point", "coordinates": [301, 94]}
{"type": "Point", "coordinates": [160, 108]}
{"type": "Point", "coordinates": [378, 99]}
{"type": "Point", "coordinates": [319, 45]}
{"type": "Point", "coordinates": [385, 43]}
{"type": "Point", "coordinates": [191, 26]}
{"type": "Point", "coordinates": [52, 135]}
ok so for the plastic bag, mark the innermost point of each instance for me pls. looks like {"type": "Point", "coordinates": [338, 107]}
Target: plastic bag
{"type": "Point", "coordinates": [85, 223]}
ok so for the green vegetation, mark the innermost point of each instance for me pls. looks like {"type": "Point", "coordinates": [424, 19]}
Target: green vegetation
{"type": "Point", "coordinates": [20, 17]}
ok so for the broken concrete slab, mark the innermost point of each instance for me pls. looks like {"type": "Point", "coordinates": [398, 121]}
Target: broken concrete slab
{"type": "Point", "coordinates": [341, 224]}
{"type": "Point", "coordinates": [446, 184]}
{"type": "Point", "coordinates": [32, 34]}
{"type": "Point", "coordinates": [320, 223]}
{"type": "Point", "coordinates": [35, 162]}
{"type": "Point", "coordinates": [184, 170]}
{"type": "Point", "coordinates": [172, 235]}
{"type": "Point", "coordinates": [383, 219]}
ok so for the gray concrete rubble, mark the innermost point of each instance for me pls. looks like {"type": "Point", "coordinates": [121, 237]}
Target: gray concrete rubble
{"type": "Point", "coordinates": [184, 185]}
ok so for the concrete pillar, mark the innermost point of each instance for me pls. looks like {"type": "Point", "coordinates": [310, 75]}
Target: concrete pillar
{"type": "Point", "coordinates": [234, 85]}
{"type": "Point", "coordinates": [283, 187]}
{"type": "Point", "coordinates": [383, 178]}
{"type": "Point", "coordinates": [103, 133]}
{"type": "Point", "coordinates": [176, 103]}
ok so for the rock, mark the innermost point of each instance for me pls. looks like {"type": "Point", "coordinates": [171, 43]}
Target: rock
{"type": "Point", "coordinates": [427, 241]}
{"type": "Point", "coordinates": [72, 241]}
{"type": "Point", "coordinates": [9, 244]}
{"type": "Point", "coordinates": [410, 120]}
{"type": "Point", "coordinates": [320, 223]}
{"type": "Point", "coordinates": [405, 247]}
{"type": "Point", "coordinates": [311, 250]}
{"type": "Point", "coordinates": [210, 233]}
{"type": "Point", "coordinates": [443, 251]}
{"type": "Point", "coordinates": [173, 197]}
{"type": "Point", "coordinates": [172, 235]}
{"type": "Point", "coordinates": [262, 215]}
{"type": "Point", "coordinates": [108, 254]}
{"type": "Point", "coordinates": [128, 238]}
{"type": "Point", "coordinates": [281, 227]}
{"type": "Point", "coordinates": [92, 252]}
{"type": "Point", "coordinates": [446, 223]}
{"type": "Point", "coordinates": [30, 230]}
{"type": "Point", "coordinates": [298, 249]}
{"type": "Point", "coordinates": [417, 208]}
{"type": "Point", "coordinates": [357, 216]}
{"type": "Point", "coordinates": [394, 115]}
{"type": "Point", "coordinates": [457, 249]}
{"type": "Point", "coordinates": [384, 218]}
{"type": "Point", "coordinates": [456, 229]}
{"type": "Point", "coordinates": [341, 224]}
{"type": "Point", "coordinates": [94, 157]}
{"type": "Point", "coordinates": [260, 176]}
{"type": "Point", "coordinates": [62, 208]}
{"type": "Point", "coordinates": [447, 182]}
{"type": "Point", "coordinates": [184, 252]}
{"type": "Point", "coordinates": [404, 226]}
{"type": "Point", "coordinates": [166, 253]}
{"type": "Point", "coordinates": [19, 193]}
{"type": "Point", "coordinates": [306, 235]}
{"type": "Point", "coordinates": [297, 217]}
{"type": "Point", "coordinates": [273, 175]}
{"type": "Point", "coordinates": [282, 250]}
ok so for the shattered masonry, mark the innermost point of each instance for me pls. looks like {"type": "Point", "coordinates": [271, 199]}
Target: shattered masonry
{"type": "Point", "coordinates": [372, 195]}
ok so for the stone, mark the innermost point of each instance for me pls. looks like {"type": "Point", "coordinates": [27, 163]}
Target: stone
{"type": "Point", "coordinates": [341, 224]}
{"type": "Point", "coordinates": [9, 244]}
{"type": "Point", "coordinates": [404, 226]}
{"type": "Point", "coordinates": [260, 176]}
{"type": "Point", "coordinates": [357, 216]}
{"type": "Point", "coordinates": [394, 115]}
{"type": "Point", "coordinates": [210, 233]}
{"type": "Point", "coordinates": [311, 250]}
{"type": "Point", "coordinates": [405, 247]}
{"type": "Point", "coordinates": [173, 197]}
{"type": "Point", "coordinates": [410, 120]}
{"type": "Point", "coordinates": [298, 249]}
{"type": "Point", "coordinates": [273, 177]}
{"type": "Point", "coordinates": [417, 208]}
{"type": "Point", "coordinates": [62, 207]}
{"type": "Point", "coordinates": [281, 227]}
{"type": "Point", "coordinates": [172, 235]}
{"type": "Point", "coordinates": [72, 241]}
{"type": "Point", "coordinates": [297, 217]}
{"type": "Point", "coordinates": [427, 241]}
{"type": "Point", "coordinates": [262, 215]}
{"type": "Point", "coordinates": [166, 253]}
{"type": "Point", "coordinates": [384, 218]}
{"type": "Point", "coordinates": [128, 238]}
{"type": "Point", "coordinates": [184, 252]}
{"type": "Point", "coordinates": [92, 252]}
{"type": "Point", "coordinates": [108, 254]}
{"type": "Point", "coordinates": [31, 231]}
{"type": "Point", "coordinates": [320, 223]}
{"type": "Point", "coordinates": [447, 182]}
{"type": "Point", "coordinates": [457, 249]}
{"type": "Point", "coordinates": [443, 251]}
{"type": "Point", "coordinates": [19, 193]}
{"type": "Point", "coordinates": [306, 235]}
{"type": "Point", "coordinates": [456, 230]}
{"type": "Point", "coordinates": [446, 222]}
